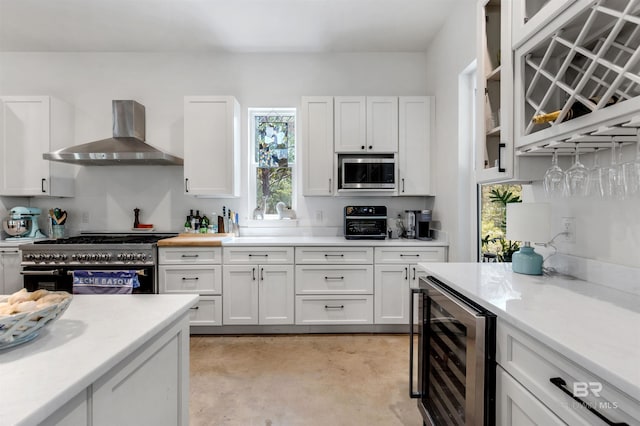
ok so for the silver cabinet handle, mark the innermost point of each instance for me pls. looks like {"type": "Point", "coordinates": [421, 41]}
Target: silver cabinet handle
{"type": "Point", "coordinates": [50, 272]}
{"type": "Point", "coordinates": [333, 307]}
{"type": "Point", "coordinates": [333, 278]}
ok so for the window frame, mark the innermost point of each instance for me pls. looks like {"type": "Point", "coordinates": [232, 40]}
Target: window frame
{"type": "Point", "coordinates": [253, 165]}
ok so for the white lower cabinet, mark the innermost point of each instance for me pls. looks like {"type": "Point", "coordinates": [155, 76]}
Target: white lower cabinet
{"type": "Point", "coordinates": [517, 406]}
{"type": "Point", "coordinates": [196, 270]}
{"type": "Point", "coordinates": [149, 387]}
{"type": "Point", "coordinates": [334, 285]}
{"type": "Point", "coordinates": [208, 311]}
{"type": "Point", "coordinates": [394, 278]}
{"type": "Point", "coordinates": [333, 310]}
{"type": "Point", "coordinates": [546, 381]}
{"type": "Point", "coordinates": [258, 294]}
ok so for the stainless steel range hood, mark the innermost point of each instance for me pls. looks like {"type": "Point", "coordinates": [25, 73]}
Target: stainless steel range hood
{"type": "Point", "coordinates": [127, 145]}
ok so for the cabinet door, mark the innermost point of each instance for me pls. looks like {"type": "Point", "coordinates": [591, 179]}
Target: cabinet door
{"type": "Point", "coordinates": [516, 406]}
{"type": "Point", "coordinates": [276, 294]}
{"type": "Point", "coordinates": [208, 311]}
{"type": "Point", "coordinates": [190, 279]}
{"type": "Point", "coordinates": [10, 271]}
{"type": "Point", "coordinates": [240, 294]}
{"type": "Point", "coordinates": [494, 94]}
{"type": "Point", "coordinates": [350, 124]}
{"type": "Point", "coordinates": [415, 118]}
{"type": "Point", "coordinates": [212, 145]}
{"type": "Point", "coordinates": [529, 16]}
{"type": "Point", "coordinates": [317, 145]}
{"type": "Point", "coordinates": [382, 124]}
{"type": "Point", "coordinates": [25, 135]}
{"type": "Point", "coordinates": [391, 290]}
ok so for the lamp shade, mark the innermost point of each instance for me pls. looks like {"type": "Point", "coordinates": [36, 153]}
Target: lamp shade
{"type": "Point", "coordinates": [529, 222]}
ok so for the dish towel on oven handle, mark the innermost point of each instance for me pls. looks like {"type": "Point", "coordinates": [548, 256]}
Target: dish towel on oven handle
{"type": "Point", "coordinates": [104, 282]}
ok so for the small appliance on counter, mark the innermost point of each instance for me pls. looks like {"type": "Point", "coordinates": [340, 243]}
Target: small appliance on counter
{"type": "Point", "coordinates": [365, 222]}
{"type": "Point", "coordinates": [409, 224]}
{"type": "Point", "coordinates": [22, 224]}
{"type": "Point", "coordinates": [423, 219]}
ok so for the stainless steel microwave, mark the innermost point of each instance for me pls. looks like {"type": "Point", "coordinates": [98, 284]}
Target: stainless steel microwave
{"type": "Point", "coordinates": [368, 172]}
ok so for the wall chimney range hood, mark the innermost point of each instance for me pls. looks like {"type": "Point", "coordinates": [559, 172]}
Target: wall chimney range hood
{"type": "Point", "coordinates": [126, 147]}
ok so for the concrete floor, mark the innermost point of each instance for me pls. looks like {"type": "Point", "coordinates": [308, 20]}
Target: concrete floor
{"type": "Point", "coordinates": [301, 380]}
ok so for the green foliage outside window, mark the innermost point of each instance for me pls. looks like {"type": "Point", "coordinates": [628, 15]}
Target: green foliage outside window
{"type": "Point", "coordinates": [494, 219]}
{"type": "Point", "coordinates": [274, 156]}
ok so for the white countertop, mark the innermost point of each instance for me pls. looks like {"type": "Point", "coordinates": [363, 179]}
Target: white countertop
{"type": "Point", "coordinates": [596, 327]}
{"type": "Point", "coordinates": [91, 337]}
{"type": "Point", "coordinates": [328, 241]}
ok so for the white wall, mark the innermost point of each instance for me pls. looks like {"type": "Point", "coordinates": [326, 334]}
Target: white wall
{"type": "Point", "coordinates": [448, 56]}
{"type": "Point", "coordinates": [106, 196]}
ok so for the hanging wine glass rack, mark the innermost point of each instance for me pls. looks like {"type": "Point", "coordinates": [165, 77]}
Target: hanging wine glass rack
{"type": "Point", "coordinates": [586, 70]}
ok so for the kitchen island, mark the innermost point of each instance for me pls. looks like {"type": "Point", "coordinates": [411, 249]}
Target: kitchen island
{"type": "Point", "coordinates": [557, 326]}
{"type": "Point", "coordinates": [109, 359]}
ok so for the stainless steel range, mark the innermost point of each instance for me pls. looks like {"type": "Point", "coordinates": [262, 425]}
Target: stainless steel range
{"type": "Point", "coordinates": [49, 264]}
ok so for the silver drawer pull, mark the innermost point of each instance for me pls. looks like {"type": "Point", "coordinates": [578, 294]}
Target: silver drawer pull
{"type": "Point", "coordinates": [327, 307]}
{"type": "Point", "coordinates": [190, 278]}
{"type": "Point", "coordinates": [334, 255]}
{"type": "Point", "coordinates": [190, 255]}
{"type": "Point", "coordinates": [333, 278]}
{"type": "Point", "coordinates": [409, 255]}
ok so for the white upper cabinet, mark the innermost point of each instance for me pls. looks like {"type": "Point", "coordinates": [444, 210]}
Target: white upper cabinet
{"type": "Point", "coordinates": [29, 127]}
{"type": "Point", "coordinates": [350, 124]}
{"type": "Point", "coordinates": [529, 16]}
{"type": "Point", "coordinates": [494, 150]}
{"type": "Point", "coordinates": [415, 129]}
{"type": "Point", "coordinates": [317, 145]}
{"type": "Point", "coordinates": [212, 146]}
{"type": "Point", "coordinates": [382, 124]}
{"type": "Point", "coordinates": [366, 124]}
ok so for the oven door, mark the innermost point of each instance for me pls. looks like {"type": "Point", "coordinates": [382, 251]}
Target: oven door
{"type": "Point", "coordinates": [368, 173]}
{"type": "Point", "coordinates": [60, 278]}
{"type": "Point", "coordinates": [456, 358]}
{"type": "Point", "coordinates": [363, 227]}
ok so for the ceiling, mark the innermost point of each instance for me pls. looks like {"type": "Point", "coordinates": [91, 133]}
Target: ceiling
{"type": "Point", "coordinates": [282, 26]}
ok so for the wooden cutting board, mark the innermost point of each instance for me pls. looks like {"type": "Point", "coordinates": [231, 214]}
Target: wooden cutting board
{"type": "Point", "coordinates": [195, 240]}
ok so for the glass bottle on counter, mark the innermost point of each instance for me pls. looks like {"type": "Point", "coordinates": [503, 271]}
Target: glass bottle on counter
{"type": "Point", "coordinates": [204, 224]}
{"type": "Point", "coordinates": [187, 225]}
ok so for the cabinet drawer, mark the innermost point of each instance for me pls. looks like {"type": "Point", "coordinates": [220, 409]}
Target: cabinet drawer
{"type": "Point", "coordinates": [254, 255]}
{"type": "Point", "coordinates": [334, 279]}
{"type": "Point", "coordinates": [190, 279]}
{"type": "Point", "coordinates": [533, 364]}
{"type": "Point", "coordinates": [334, 255]}
{"type": "Point", "coordinates": [208, 311]}
{"type": "Point", "coordinates": [189, 255]}
{"type": "Point", "coordinates": [409, 254]}
{"type": "Point", "coordinates": [334, 310]}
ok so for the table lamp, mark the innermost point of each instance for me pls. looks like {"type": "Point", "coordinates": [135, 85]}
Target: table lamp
{"type": "Point", "coordinates": [528, 222]}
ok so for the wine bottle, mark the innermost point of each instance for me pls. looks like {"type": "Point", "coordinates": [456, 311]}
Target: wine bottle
{"type": "Point", "coordinates": [578, 109]}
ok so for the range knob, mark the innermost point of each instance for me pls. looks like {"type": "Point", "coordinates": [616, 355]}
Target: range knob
{"type": "Point", "coordinates": [141, 256]}
{"type": "Point", "coordinates": [37, 257]}
{"type": "Point", "coordinates": [63, 257]}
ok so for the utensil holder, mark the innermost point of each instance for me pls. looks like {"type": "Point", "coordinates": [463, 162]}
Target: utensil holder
{"type": "Point", "coordinates": [57, 231]}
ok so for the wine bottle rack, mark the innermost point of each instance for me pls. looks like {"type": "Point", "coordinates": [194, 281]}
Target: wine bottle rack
{"type": "Point", "coordinates": [589, 58]}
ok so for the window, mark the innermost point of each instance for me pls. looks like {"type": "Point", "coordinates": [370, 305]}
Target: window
{"type": "Point", "coordinates": [493, 221]}
{"type": "Point", "coordinates": [272, 169]}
